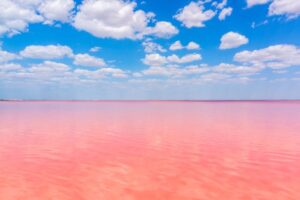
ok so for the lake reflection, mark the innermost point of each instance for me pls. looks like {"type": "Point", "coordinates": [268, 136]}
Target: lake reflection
{"type": "Point", "coordinates": [149, 150]}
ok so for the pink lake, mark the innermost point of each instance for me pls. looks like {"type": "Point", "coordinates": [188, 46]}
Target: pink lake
{"type": "Point", "coordinates": [148, 150]}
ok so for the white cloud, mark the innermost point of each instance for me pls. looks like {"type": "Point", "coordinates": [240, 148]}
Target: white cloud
{"type": "Point", "coordinates": [51, 72]}
{"type": "Point", "coordinates": [220, 71]}
{"type": "Point", "coordinates": [214, 77]}
{"type": "Point", "coordinates": [7, 56]}
{"type": "Point", "coordinates": [95, 49]}
{"type": "Point", "coordinates": [106, 19]}
{"type": "Point", "coordinates": [45, 71]}
{"type": "Point", "coordinates": [162, 29]}
{"type": "Point", "coordinates": [178, 46]}
{"type": "Point", "coordinates": [275, 57]}
{"type": "Point", "coordinates": [49, 66]}
{"type": "Point", "coordinates": [192, 46]}
{"type": "Point", "coordinates": [232, 40]}
{"type": "Point", "coordinates": [111, 19]}
{"type": "Point", "coordinates": [250, 65]}
{"type": "Point", "coordinates": [154, 59]}
{"type": "Point", "coordinates": [46, 52]}
{"type": "Point", "coordinates": [152, 47]}
{"type": "Point", "coordinates": [194, 15]}
{"type": "Point", "coordinates": [234, 69]}
{"type": "Point", "coordinates": [175, 71]}
{"type": "Point", "coordinates": [16, 15]}
{"type": "Point", "coordinates": [118, 19]}
{"type": "Point", "coordinates": [10, 67]}
{"type": "Point", "coordinates": [87, 73]}
{"type": "Point", "coordinates": [185, 59]}
{"type": "Point", "coordinates": [195, 69]}
{"type": "Point", "coordinates": [159, 60]}
{"type": "Point", "coordinates": [222, 4]}
{"type": "Point", "coordinates": [101, 73]}
{"type": "Point", "coordinates": [290, 8]}
{"type": "Point", "coordinates": [56, 10]}
{"type": "Point", "coordinates": [251, 3]}
{"type": "Point", "coordinates": [225, 13]}
{"type": "Point", "coordinates": [160, 71]}
{"type": "Point", "coordinates": [88, 60]}
{"type": "Point", "coordinates": [115, 72]}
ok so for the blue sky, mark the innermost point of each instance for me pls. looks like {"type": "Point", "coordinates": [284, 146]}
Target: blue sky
{"type": "Point", "coordinates": [158, 49]}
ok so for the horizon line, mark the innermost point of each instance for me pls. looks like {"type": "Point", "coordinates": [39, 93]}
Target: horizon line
{"type": "Point", "coordinates": [140, 100]}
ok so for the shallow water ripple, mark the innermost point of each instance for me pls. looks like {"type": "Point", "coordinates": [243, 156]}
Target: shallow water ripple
{"type": "Point", "coordinates": [150, 150]}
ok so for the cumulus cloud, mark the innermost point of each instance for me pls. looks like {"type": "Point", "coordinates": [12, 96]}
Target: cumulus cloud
{"type": "Point", "coordinates": [10, 67]}
{"type": "Point", "coordinates": [175, 71]}
{"type": "Point", "coordinates": [232, 40]}
{"type": "Point", "coordinates": [106, 19]}
{"type": "Point", "coordinates": [192, 46]}
{"type": "Point", "coordinates": [184, 59]}
{"type": "Point", "coordinates": [55, 72]}
{"type": "Point", "coordinates": [194, 15]}
{"type": "Point", "coordinates": [56, 10]}
{"type": "Point", "coordinates": [7, 56]}
{"type": "Point", "coordinates": [88, 61]}
{"type": "Point", "coordinates": [162, 29]}
{"type": "Point", "coordinates": [118, 19]}
{"type": "Point", "coordinates": [154, 59]}
{"type": "Point", "coordinates": [115, 72]}
{"type": "Point", "coordinates": [251, 63]}
{"type": "Point", "coordinates": [196, 69]}
{"type": "Point", "coordinates": [159, 60]}
{"type": "Point", "coordinates": [46, 52]}
{"type": "Point", "coordinates": [49, 67]}
{"type": "Point", "coordinates": [289, 8]}
{"type": "Point", "coordinates": [225, 13]}
{"type": "Point", "coordinates": [45, 72]}
{"type": "Point", "coordinates": [152, 47]}
{"type": "Point", "coordinates": [214, 77]}
{"type": "Point", "coordinates": [178, 46]}
{"type": "Point", "coordinates": [17, 14]}
{"type": "Point", "coordinates": [161, 71]}
{"type": "Point", "coordinates": [251, 3]}
{"type": "Point", "coordinates": [101, 73]}
{"type": "Point", "coordinates": [115, 19]}
{"type": "Point", "coordinates": [234, 69]}
{"type": "Point", "coordinates": [275, 57]}
{"type": "Point", "coordinates": [218, 71]}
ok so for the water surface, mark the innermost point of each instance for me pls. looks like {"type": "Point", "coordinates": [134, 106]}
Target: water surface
{"type": "Point", "coordinates": [149, 150]}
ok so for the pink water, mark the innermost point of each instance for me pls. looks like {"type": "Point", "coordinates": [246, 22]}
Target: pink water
{"type": "Point", "coordinates": [149, 150]}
